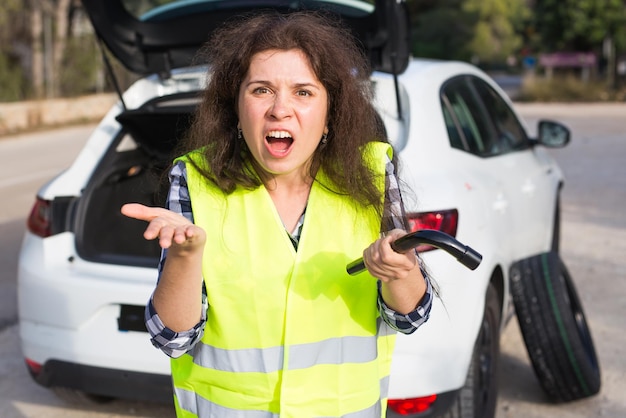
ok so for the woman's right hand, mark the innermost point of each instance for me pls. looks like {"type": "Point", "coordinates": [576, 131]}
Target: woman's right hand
{"type": "Point", "coordinates": [177, 297]}
{"type": "Point", "coordinates": [173, 230]}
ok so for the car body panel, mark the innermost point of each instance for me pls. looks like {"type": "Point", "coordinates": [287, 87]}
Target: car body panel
{"type": "Point", "coordinates": [70, 313]}
{"type": "Point", "coordinates": [457, 179]}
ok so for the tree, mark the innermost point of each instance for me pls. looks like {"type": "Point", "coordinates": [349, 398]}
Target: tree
{"type": "Point", "coordinates": [577, 25]}
{"type": "Point", "coordinates": [478, 30]}
{"type": "Point", "coordinates": [496, 33]}
{"type": "Point", "coordinates": [441, 29]}
{"type": "Point", "coordinates": [582, 25]}
{"type": "Point", "coordinates": [12, 47]}
{"type": "Point", "coordinates": [49, 34]}
{"type": "Point", "coordinates": [37, 69]}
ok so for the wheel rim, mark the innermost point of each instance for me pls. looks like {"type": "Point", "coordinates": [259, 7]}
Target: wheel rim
{"type": "Point", "coordinates": [485, 363]}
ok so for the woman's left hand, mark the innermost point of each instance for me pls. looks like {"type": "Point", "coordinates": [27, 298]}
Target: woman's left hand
{"type": "Point", "coordinates": [384, 263]}
{"type": "Point", "coordinates": [403, 284]}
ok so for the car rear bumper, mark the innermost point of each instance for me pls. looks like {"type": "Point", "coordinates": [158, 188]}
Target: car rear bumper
{"type": "Point", "coordinates": [106, 382]}
{"type": "Point", "coordinates": [90, 316]}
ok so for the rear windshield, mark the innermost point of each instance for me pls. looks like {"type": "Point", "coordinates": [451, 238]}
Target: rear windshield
{"type": "Point", "coordinates": [162, 10]}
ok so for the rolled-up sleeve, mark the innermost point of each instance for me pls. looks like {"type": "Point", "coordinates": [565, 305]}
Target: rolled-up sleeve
{"type": "Point", "coordinates": [175, 344]}
{"type": "Point", "coordinates": [407, 324]}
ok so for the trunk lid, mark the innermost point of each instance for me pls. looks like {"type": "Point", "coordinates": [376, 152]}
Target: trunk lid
{"type": "Point", "coordinates": [156, 36]}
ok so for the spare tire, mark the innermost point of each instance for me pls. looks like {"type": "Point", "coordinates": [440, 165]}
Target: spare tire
{"type": "Point", "coordinates": [554, 328]}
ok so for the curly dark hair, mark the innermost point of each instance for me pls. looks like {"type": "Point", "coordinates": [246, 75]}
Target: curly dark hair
{"type": "Point", "coordinates": [337, 61]}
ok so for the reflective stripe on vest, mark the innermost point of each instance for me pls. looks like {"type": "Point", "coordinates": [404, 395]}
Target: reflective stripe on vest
{"type": "Point", "coordinates": [190, 402]}
{"type": "Point", "coordinates": [287, 332]}
{"type": "Point", "coordinates": [267, 360]}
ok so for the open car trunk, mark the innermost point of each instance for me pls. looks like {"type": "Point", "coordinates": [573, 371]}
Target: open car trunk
{"type": "Point", "coordinates": [158, 38]}
{"type": "Point", "coordinates": [133, 170]}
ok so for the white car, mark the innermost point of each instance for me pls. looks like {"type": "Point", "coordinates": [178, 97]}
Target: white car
{"type": "Point", "coordinates": [471, 170]}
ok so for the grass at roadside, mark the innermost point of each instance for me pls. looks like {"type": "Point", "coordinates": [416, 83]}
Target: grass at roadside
{"type": "Point", "coordinates": [569, 90]}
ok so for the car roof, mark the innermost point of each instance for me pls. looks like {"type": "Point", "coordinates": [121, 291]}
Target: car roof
{"type": "Point", "coordinates": [159, 39]}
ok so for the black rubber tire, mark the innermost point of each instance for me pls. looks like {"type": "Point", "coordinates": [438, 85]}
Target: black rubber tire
{"type": "Point", "coordinates": [554, 328]}
{"type": "Point", "coordinates": [79, 398]}
{"type": "Point", "coordinates": [477, 398]}
{"type": "Point", "coordinates": [556, 229]}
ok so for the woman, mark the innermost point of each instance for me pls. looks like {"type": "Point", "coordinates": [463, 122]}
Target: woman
{"type": "Point", "coordinates": [281, 183]}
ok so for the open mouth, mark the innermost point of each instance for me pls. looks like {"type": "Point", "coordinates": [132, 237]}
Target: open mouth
{"type": "Point", "coordinates": [278, 142]}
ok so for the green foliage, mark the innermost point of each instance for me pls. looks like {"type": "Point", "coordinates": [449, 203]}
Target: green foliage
{"type": "Point", "coordinates": [479, 30]}
{"type": "Point", "coordinates": [568, 89]}
{"type": "Point", "coordinates": [578, 25]}
{"type": "Point", "coordinates": [7, 8]}
{"type": "Point", "coordinates": [441, 29]}
{"type": "Point", "coordinates": [495, 36]}
{"type": "Point", "coordinates": [80, 66]}
{"type": "Point", "coordinates": [12, 83]}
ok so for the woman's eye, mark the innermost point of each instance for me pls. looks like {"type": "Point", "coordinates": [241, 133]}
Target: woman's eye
{"type": "Point", "coordinates": [303, 93]}
{"type": "Point", "coordinates": [260, 90]}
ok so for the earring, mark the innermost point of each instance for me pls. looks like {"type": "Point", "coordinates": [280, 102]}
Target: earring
{"type": "Point", "coordinates": [324, 140]}
{"type": "Point", "coordinates": [239, 134]}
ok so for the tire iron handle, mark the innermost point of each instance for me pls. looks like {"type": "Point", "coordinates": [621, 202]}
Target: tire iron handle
{"type": "Point", "coordinates": [464, 254]}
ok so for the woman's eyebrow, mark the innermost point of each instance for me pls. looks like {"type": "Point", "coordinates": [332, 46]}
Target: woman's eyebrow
{"type": "Point", "coordinates": [304, 84]}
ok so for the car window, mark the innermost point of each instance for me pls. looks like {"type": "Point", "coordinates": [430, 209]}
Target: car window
{"type": "Point", "coordinates": [511, 134]}
{"type": "Point", "coordinates": [478, 120]}
{"type": "Point", "coordinates": [453, 133]}
{"type": "Point", "coordinates": [465, 111]}
{"type": "Point", "coordinates": [157, 10]}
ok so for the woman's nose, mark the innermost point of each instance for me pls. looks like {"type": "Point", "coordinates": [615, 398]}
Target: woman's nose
{"type": "Point", "coordinates": [281, 107]}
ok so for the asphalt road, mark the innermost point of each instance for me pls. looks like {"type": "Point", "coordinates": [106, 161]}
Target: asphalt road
{"type": "Point", "coordinates": [593, 246]}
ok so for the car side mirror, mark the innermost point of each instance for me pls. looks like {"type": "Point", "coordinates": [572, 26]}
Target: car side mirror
{"type": "Point", "coordinates": [552, 134]}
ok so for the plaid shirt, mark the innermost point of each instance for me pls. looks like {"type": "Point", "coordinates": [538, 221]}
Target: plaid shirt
{"type": "Point", "coordinates": [175, 344]}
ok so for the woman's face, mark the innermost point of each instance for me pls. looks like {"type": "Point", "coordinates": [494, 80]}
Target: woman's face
{"type": "Point", "coordinates": [282, 112]}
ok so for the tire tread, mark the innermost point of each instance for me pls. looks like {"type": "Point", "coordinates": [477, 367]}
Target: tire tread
{"type": "Point", "coordinates": [546, 305]}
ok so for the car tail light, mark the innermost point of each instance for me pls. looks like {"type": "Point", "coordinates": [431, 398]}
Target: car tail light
{"type": "Point", "coordinates": [443, 220]}
{"type": "Point", "coordinates": [412, 405]}
{"type": "Point", "coordinates": [40, 219]}
{"type": "Point", "coordinates": [33, 367]}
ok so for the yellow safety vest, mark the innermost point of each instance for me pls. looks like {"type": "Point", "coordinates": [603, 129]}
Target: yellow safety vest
{"type": "Point", "coordinates": [288, 333]}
